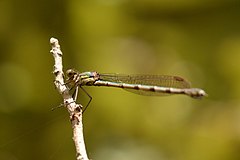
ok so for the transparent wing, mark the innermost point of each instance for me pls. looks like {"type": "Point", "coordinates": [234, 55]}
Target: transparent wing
{"type": "Point", "coordinates": [148, 80]}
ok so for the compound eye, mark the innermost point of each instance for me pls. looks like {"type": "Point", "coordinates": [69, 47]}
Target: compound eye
{"type": "Point", "coordinates": [70, 72]}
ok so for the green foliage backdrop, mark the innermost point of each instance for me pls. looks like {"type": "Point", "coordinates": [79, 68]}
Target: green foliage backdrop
{"type": "Point", "coordinates": [198, 40]}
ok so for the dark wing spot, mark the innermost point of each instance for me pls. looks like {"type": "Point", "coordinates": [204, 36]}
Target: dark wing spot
{"type": "Point", "coordinates": [178, 78]}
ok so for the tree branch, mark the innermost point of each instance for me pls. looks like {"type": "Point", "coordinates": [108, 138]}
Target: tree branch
{"type": "Point", "coordinates": [75, 110]}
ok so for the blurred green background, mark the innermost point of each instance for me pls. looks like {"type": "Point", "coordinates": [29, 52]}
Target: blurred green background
{"type": "Point", "coordinates": [198, 40]}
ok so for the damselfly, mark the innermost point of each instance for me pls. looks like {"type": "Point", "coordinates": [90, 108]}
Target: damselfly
{"type": "Point", "coordinates": [152, 85]}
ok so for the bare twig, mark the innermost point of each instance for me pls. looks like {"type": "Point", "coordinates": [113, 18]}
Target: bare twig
{"type": "Point", "coordinates": [75, 110]}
